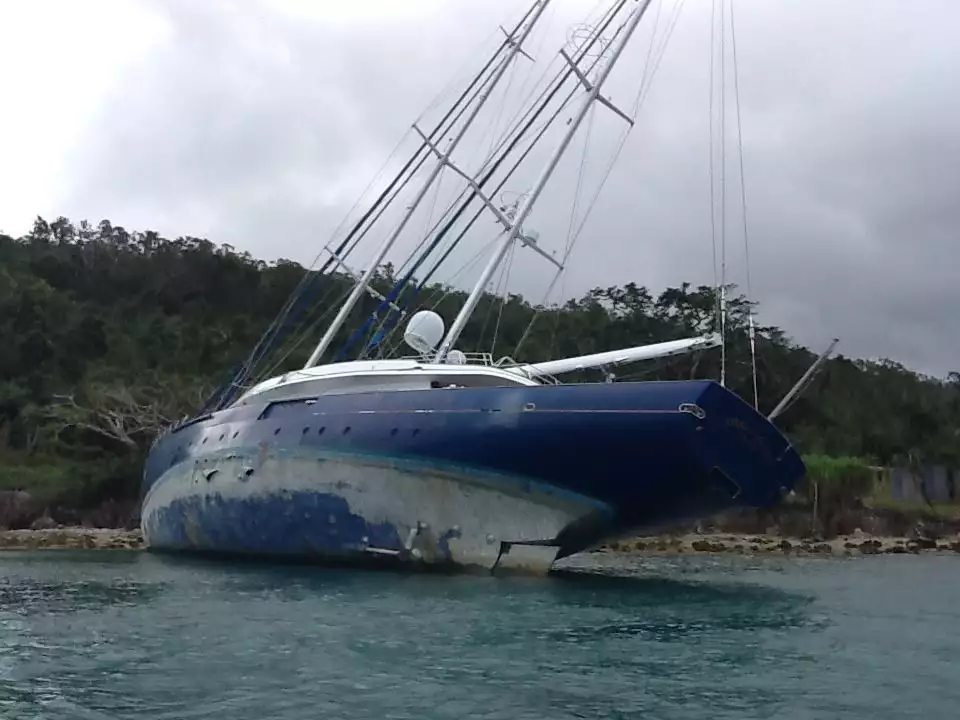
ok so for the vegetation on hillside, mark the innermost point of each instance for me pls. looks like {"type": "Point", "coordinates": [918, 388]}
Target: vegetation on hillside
{"type": "Point", "coordinates": [108, 336]}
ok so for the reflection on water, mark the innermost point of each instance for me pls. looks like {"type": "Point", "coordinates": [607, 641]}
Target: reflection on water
{"type": "Point", "coordinates": [115, 635]}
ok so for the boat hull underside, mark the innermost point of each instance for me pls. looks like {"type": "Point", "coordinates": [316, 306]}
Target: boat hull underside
{"type": "Point", "coordinates": [311, 504]}
{"type": "Point", "coordinates": [497, 479]}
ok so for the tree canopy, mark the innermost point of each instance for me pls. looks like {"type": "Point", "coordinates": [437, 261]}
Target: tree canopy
{"type": "Point", "coordinates": [110, 335]}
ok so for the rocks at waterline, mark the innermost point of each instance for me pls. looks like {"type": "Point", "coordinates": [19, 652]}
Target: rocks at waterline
{"type": "Point", "coordinates": [71, 538]}
{"type": "Point", "coordinates": [855, 544]}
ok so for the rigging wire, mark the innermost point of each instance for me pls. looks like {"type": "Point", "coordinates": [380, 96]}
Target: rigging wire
{"type": "Point", "coordinates": [428, 225]}
{"type": "Point", "coordinates": [458, 76]}
{"type": "Point", "coordinates": [722, 284]}
{"type": "Point", "coordinates": [504, 299]}
{"type": "Point", "coordinates": [297, 340]}
{"type": "Point", "coordinates": [523, 91]}
{"type": "Point", "coordinates": [465, 99]}
{"type": "Point", "coordinates": [603, 20]}
{"type": "Point", "coordinates": [637, 106]}
{"type": "Point", "coordinates": [713, 193]}
{"type": "Point", "coordinates": [643, 90]}
{"type": "Point", "coordinates": [495, 146]}
{"type": "Point", "coordinates": [384, 247]}
{"type": "Point", "coordinates": [496, 117]}
{"type": "Point", "coordinates": [571, 235]}
{"type": "Point", "coordinates": [653, 34]}
{"type": "Point", "coordinates": [501, 285]}
{"type": "Point", "coordinates": [743, 203]}
{"type": "Point", "coordinates": [533, 112]}
{"type": "Point", "coordinates": [723, 196]}
{"type": "Point", "coordinates": [718, 188]}
{"type": "Point", "coordinates": [469, 265]}
{"type": "Point", "coordinates": [310, 276]}
{"type": "Point", "coordinates": [437, 97]}
{"type": "Point", "coordinates": [245, 370]}
{"type": "Point", "coordinates": [596, 36]}
{"type": "Point", "coordinates": [348, 244]}
{"type": "Point", "coordinates": [640, 96]}
{"type": "Point", "coordinates": [717, 114]}
{"type": "Point", "coordinates": [401, 286]}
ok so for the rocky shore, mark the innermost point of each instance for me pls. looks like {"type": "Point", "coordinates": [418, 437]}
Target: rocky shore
{"type": "Point", "coordinates": [71, 538]}
{"type": "Point", "coordinates": [857, 543]}
{"type": "Point", "coordinates": [26, 524]}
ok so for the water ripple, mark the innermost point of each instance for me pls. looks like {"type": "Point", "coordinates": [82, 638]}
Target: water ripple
{"type": "Point", "coordinates": [124, 636]}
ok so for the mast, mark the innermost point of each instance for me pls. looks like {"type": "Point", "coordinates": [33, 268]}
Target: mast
{"type": "Point", "coordinates": [519, 133]}
{"type": "Point", "coordinates": [514, 228]}
{"type": "Point", "coordinates": [516, 46]}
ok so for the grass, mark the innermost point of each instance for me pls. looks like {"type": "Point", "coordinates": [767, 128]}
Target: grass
{"type": "Point", "coordinates": [942, 511]}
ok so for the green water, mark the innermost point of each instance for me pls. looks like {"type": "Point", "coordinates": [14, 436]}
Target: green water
{"type": "Point", "coordinates": [123, 635]}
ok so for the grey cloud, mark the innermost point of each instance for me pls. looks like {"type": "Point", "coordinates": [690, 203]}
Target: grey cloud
{"type": "Point", "coordinates": [258, 129]}
{"type": "Point", "coordinates": [852, 169]}
{"type": "Point", "coordinates": [240, 116]}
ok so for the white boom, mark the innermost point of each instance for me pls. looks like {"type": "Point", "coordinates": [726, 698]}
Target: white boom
{"type": "Point", "coordinates": [617, 357]}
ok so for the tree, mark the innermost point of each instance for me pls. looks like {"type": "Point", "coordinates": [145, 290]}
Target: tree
{"type": "Point", "coordinates": [110, 335]}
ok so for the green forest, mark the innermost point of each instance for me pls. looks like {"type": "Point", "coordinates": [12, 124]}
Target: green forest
{"type": "Point", "coordinates": [110, 335]}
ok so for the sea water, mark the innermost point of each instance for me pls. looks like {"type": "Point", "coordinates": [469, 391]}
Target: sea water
{"type": "Point", "coordinates": [106, 634]}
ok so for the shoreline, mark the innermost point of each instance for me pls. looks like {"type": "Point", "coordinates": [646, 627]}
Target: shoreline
{"type": "Point", "coordinates": [722, 543]}
{"type": "Point", "coordinates": [719, 543]}
{"type": "Point", "coordinates": [71, 538]}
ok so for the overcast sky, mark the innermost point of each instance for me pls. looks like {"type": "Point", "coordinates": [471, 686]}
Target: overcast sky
{"type": "Point", "coordinates": [258, 122]}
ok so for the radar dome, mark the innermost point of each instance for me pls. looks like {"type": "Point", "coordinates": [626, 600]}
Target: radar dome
{"type": "Point", "coordinates": [455, 357]}
{"type": "Point", "coordinates": [424, 331]}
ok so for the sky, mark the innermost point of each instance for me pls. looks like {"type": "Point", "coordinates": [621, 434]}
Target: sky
{"type": "Point", "coordinates": [258, 123]}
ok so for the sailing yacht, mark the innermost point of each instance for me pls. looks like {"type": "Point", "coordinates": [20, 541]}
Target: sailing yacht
{"type": "Point", "coordinates": [445, 458]}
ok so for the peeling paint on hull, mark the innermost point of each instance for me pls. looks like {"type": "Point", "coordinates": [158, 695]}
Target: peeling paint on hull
{"type": "Point", "coordinates": [335, 507]}
{"type": "Point", "coordinates": [473, 477]}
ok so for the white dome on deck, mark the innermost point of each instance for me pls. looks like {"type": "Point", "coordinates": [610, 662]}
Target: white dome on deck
{"type": "Point", "coordinates": [424, 331]}
{"type": "Point", "coordinates": [455, 357]}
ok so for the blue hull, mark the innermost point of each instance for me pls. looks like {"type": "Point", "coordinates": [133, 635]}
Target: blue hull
{"type": "Point", "coordinates": [460, 476]}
